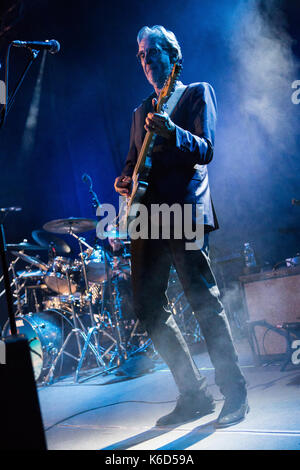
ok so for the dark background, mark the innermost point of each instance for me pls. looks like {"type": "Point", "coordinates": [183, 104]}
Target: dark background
{"type": "Point", "coordinates": [73, 112]}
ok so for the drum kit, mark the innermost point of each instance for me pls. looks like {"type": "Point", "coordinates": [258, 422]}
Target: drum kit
{"type": "Point", "coordinates": [76, 313]}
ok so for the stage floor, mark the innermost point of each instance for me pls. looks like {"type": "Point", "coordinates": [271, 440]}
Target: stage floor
{"type": "Point", "coordinates": [114, 413]}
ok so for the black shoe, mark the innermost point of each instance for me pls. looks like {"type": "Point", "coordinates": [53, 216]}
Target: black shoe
{"type": "Point", "coordinates": [234, 411]}
{"type": "Point", "coordinates": [189, 406]}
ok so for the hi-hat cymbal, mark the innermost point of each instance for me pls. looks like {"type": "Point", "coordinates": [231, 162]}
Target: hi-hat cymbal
{"type": "Point", "coordinates": [25, 246]}
{"type": "Point", "coordinates": [31, 260]}
{"type": "Point", "coordinates": [46, 239]}
{"type": "Point", "coordinates": [72, 224]}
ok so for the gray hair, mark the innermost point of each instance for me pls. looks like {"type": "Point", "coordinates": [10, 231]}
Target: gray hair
{"type": "Point", "coordinates": [168, 37]}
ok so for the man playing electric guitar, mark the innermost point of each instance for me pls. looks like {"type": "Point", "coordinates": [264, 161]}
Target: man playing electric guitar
{"type": "Point", "coordinates": [182, 150]}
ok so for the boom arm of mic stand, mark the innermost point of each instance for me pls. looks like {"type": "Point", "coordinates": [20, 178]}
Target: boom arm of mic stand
{"type": "Point", "coordinates": [10, 100]}
{"type": "Point", "coordinates": [95, 199]}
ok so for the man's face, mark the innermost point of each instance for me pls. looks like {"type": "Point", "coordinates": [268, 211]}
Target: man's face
{"type": "Point", "coordinates": [155, 61]}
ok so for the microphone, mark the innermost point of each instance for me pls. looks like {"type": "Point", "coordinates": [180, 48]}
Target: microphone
{"type": "Point", "coordinates": [51, 45]}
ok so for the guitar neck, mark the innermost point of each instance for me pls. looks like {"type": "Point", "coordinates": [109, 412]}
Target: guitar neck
{"type": "Point", "coordinates": [150, 136]}
{"type": "Point", "coordinates": [146, 147]}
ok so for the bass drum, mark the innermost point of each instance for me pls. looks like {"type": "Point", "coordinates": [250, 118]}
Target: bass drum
{"type": "Point", "coordinates": [45, 332]}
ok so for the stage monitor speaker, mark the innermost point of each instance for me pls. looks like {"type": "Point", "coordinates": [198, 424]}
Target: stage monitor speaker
{"type": "Point", "coordinates": [273, 297]}
{"type": "Point", "coordinates": [22, 426]}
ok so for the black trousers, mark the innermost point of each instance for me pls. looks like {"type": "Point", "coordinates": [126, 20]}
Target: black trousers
{"type": "Point", "coordinates": [151, 261]}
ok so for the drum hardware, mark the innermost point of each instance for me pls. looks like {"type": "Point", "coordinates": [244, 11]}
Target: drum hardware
{"type": "Point", "coordinates": [32, 296]}
{"type": "Point", "coordinates": [63, 302]}
{"type": "Point", "coordinates": [78, 332]}
{"type": "Point", "coordinates": [81, 241]}
{"type": "Point", "coordinates": [19, 280]}
{"type": "Point", "coordinates": [17, 286]}
{"type": "Point", "coordinates": [179, 306]}
{"type": "Point", "coordinates": [30, 274]}
{"type": "Point", "coordinates": [94, 328]}
{"type": "Point", "coordinates": [103, 352]}
{"type": "Point", "coordinates": [12, 283]}
{"type": "Point", "coordinates": [96, 268]}
{"type": "Point", "coordinates": [71, 226]}
{"type": "Point", "coordinates": [112, 334]}
{"type": "Point", "coordinates": [33, 289]}
{"type": "Point", "coordinates": [105, 268]}
{"type": "Point", "coordinates": [25, 246]}
{"type": "Point", "coordinates": [44, 332]}
{"type": "Point", "coordinates": [123, 330]}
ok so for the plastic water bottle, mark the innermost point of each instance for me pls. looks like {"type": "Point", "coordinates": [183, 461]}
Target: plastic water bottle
{"type": "Point", "coordinates": [249, 256]}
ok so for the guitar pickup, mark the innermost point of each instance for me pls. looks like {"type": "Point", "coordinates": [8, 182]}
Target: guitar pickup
{"type": "Point", "coordinates": [148, 162]}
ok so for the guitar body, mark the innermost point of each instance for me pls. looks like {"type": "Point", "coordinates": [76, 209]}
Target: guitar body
{"type": "Point", "coordinates": [138, 191]}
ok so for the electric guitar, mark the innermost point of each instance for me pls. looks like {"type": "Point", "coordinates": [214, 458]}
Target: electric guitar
{"type": "Point", "coordinates": [143, 165]}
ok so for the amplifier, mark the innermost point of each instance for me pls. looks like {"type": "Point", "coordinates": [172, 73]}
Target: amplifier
{"type": "Point", "coordinates": [272, 298]}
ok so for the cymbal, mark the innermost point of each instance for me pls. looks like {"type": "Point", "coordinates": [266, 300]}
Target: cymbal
{"type": "Point", "coordinates": [74, 224]}
{"type": "Point", "coordinates": [25, 246]}
{"type": "Point", "coordinates": [44, 239]}
{"type": "Point", "coordinates": [31, 260]}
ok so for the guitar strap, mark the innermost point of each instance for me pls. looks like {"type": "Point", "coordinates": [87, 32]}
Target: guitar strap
{"type": "Point", "coordinates": [170, 106]}
{"type": "Point", "coordinates": [174, 98]}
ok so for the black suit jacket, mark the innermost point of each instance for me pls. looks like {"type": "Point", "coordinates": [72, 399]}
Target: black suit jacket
{"type": "Point", "coordinates": [179, 169]}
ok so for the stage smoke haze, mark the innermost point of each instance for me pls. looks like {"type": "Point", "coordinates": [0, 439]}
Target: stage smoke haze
{"type": "Point", "coordinates": [265, 70]}
{"type": "Point", "coordinates": [256, 163]}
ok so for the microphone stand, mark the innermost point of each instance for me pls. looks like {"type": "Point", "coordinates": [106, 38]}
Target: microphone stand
{"type": "Point", "coordinates": [7, 107]}
{"type": "Point", "coordinates": [96, 204]}
{"type": "Point", "coordinates": [9, 297]}
{"type": "Point", "coordinates": [3, 249]}
{"type": "Point", "coordinates": [18, 371]}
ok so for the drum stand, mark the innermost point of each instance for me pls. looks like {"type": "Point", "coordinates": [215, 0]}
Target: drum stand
{"type": "Point", "coordinates": [119, 351]}
{"type": "Point", "coordinates": [17, 287]}
{"type": "Point", "coordinates": [91, 336]}
{"type": "Point", "coordinates": [78, 332]}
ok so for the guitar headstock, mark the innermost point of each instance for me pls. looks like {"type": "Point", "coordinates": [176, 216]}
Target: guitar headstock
{"type": "Point", "coordinates": [169, 86]}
